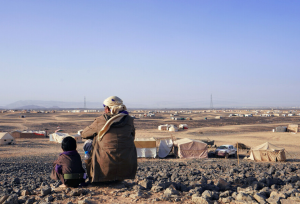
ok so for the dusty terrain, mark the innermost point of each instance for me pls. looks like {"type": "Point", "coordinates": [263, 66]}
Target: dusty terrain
{"type": "Point", "coordinates": [251, 131]}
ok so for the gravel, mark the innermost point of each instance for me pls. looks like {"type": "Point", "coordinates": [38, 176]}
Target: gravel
{"type": "Point", "coordinates": [26, 180]}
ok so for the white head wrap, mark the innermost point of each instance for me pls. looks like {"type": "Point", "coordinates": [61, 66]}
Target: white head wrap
{"type": "Point", "coordinates": [115, 104]}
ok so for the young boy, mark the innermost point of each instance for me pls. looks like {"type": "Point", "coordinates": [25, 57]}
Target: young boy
{"type": "Point", "coordinates": [68, 167]}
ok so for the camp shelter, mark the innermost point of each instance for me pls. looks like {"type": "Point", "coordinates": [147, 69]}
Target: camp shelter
{"type": "Point", "coordinates": [281, 129]}
{"type": "Point", "coordinates": [292, 128]}
{"type": "Point", "coordinates": [267, 152]}
{"type": "Point", "coordinates": [145, 147]}
{"type": "Point", "coordinates": [173, 128]}
{"type": "Point", "coordinates": [163, 127]}
{"type": "Point", "coordinates": [77, 137]}
{"type": "Point", "coordinates": [188, 148]}
{"type": "Point", "coordinates": [165, 147]}
{"type": "Point", "coordinates": [6, 138]}
{"type": "Point", "coordinates": [183, 126]}
{"type": "Point", "coordinates": [58, 137]}
{"type": "Point", "coordinates": [28, 134]}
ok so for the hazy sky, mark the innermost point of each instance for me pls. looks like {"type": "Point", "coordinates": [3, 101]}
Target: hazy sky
{"type": "Point", "coordinates": [152, 53]}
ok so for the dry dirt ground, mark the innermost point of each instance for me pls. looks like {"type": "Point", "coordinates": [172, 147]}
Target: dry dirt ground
{"type": "Point", "coordinates": [229, 130]}
{"type": "Point", "coordinates": [251, 131]}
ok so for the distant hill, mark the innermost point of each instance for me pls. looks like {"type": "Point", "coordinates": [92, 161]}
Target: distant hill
{"type": "Point", "coordinates": [36, 104]}
{"type": "Point", "coordinates": [32, 107]}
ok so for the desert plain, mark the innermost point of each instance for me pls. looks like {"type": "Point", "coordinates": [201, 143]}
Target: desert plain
{"type": "Point", "coordinates": [25, 166]}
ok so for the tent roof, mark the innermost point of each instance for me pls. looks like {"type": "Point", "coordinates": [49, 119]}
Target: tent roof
{"type": "Point", "coordinates": [5, 135]}
{"type": "Point", "coordinates": [267, 146]}
{"type": "Point", "coordinates": [186, 140]}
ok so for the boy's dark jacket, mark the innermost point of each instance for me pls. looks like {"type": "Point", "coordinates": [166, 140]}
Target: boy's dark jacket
{"type": "Point", "coordinates": [68, 162]}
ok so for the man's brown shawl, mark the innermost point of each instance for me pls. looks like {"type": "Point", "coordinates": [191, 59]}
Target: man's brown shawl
{"type": "Point", "coordinates": [113, 157]}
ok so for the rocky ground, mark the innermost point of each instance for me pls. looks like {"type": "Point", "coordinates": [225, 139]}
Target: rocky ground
{"type": "Point", "coordinates": [26, 180]}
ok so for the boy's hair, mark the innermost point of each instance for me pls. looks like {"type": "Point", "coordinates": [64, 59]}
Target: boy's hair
{"type": "Point", "coordinates": [68, 144]}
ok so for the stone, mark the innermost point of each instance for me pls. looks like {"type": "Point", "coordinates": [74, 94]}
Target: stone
{"type": "Point", "coordinates": [3, 198]}
{"type": "Point", "coordinates": [46, 190]}
{"type": "Point", "coordinates": [271, 170]}
{"type": "Point", "coordinates": [30, 201]}
{"type": "Point", "coordinates": [156, 189]}
{"type": "Point", "coordinates": [170, 191]}
{"type": "Point", "coordinates": [84, 201]}
{"type": "Point", "coordinates": [183, 188]}
{"type": "Point", "coordinates": [68, 190]}
{"type": "Point", "coordinates": [277, 194]}
{"type": "Point", "coordinates": [146, 184]}
{"type": "Point", "coordinates": [76, 192]}
{"type": "Point", "coordinates": [25, 192]}
{"type": "Point", "coordinates": [227, 199]}
{"type": "Point", "coordinates": [289, 201]}
{"type": "Point", "coordinates": [203, 180]}
{"type": "Point", "coordinates": [49, 198]}
{"type": "Point", "coordinates": [137, 195]}
{"type": "Point", "coordinates": [15, 181]}
{"type": "Point", "coordinates": [243, 196]}
{"type": "Point", "coordinates": [125, 195]}
{"type": "Point", "coordinates": [201, 200]}
{"type": "Point", "coordinates": [224, 194]}
{"type": "Point", "coordinates": [223, 185]}
{"type": "Point", "coordinates": [259, 198]}
{"type": "Point", "coordinates": [273, 200]}
{"type": "Point", "coordinates": [207, 194]}
{"type": "Point", "coordinates": [12, 199]}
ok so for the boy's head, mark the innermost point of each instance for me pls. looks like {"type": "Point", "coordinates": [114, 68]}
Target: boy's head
{"type": "Point", "coordinates": [68, 144]}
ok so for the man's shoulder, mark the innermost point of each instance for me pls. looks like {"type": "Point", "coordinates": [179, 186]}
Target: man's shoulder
{"type": "Point", "coordinates": [101, 118]}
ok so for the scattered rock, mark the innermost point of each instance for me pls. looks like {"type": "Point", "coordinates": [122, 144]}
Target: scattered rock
{"type": "Point", "coordinates": [137, 195]}
{"type": "Point", "coordinates": [201, 200]}
{"type": "Point", "coordinates": [147, 184]}
{"type": "Point", "coordinates": [12, 199]}
{"type": "Point", "coordinates": [84, 201]}
{"type": "Point", "coordinates": [46, 190]}
{"type": "Point", "coordinates": [25, 192]}
{"type": "Point", "coordinates": [15, 181]}
{"type": "Point", "coordinates": [75, 192]}
{"type": "Point", "coordinates": [30, 201]}
{"type": "Point", "coordinates": [3, 198]}
{"type": "Point", "coordinates": [49, 198]}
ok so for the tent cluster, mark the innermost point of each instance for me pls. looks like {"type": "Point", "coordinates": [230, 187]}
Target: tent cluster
{"type": "Point", "coordinates": [183, 148]}
{"type": "Point", "coordinates": [172, 128]}
{"type": "Point", "coordinates": [166, 127]}
{"type": "Point", "coordinates": [189, 148]}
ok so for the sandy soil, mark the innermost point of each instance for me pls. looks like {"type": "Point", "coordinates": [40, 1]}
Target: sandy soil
{"type": "Point", "coordinates": [249, 131]}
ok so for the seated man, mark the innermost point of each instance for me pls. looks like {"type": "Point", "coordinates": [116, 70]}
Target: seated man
{"type": "Point", "coordinates": [113, 154]}
{"type": "Point", "coordinates": [68, 167]}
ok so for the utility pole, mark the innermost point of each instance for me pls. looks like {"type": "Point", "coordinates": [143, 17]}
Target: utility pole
{"type": "Point", "coordinates": [84, 103]}
{"type": "Point", "coordinates": [211, 102]}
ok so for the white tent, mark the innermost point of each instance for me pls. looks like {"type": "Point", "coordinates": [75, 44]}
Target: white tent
{"type": "Point", "coordinates": [145, 147]}
{"type": "Point", "coordinates": [6, 138]}
{"type": "Point", "coordinates": [267, 152]}
{"type": "Point", "coordinates": [58, 137]}
{"type": "Point", "coordinates": [173, 128]}
{"type": "Point", "coordinates": [165, 147]}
